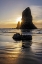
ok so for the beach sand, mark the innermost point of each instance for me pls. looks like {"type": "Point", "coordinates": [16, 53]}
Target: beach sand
{"type": "Point", "coordinates": [13, 52]}
{"type": "Point", "coordinates": [8, 59]}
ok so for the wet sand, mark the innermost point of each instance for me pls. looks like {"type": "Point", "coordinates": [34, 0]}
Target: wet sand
{"type": "Point", "coordinates": [19, 55]}
{"type": "Point", "coordinates": [20, 52]}
{"type": "Point", "coordinates": [15, 60]}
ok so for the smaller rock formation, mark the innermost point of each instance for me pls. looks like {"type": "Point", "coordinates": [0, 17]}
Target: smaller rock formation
{"type": "Point", "coordinates": [18, 25]}
{"type": "Point", "coordinates": [18, 37]}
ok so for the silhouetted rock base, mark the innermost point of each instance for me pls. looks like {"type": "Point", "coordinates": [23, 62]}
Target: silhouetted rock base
{"type": "Point", "coordinates": [18, 37]}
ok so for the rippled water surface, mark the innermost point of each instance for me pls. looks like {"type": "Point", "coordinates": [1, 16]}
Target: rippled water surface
{"type": "Point", "coordinates": [20, 52]}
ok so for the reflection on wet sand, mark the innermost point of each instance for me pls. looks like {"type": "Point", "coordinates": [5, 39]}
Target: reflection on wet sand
{"type": "Point", "coordinates": [20, 53]}
{"type": "Point", "coordinates": [26, 44]}
{"type": "Point", "coordinates": [9, 54]}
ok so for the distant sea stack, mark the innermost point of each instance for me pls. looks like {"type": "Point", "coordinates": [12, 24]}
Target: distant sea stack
{"type": "Point", "coordinates": [18, 25]}
{"type": "Point", "coordinates": [27, 20]}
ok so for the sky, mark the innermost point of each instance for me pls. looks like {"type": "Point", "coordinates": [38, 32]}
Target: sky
{"type": "Point", "coordinates": [11, 10]}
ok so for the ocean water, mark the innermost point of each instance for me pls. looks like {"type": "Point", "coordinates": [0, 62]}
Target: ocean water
{"type": "Point", "coordinates": [13, 52]}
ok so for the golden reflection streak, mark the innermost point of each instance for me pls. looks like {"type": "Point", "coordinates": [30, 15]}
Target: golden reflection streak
{"type": "Point", "coordinates": [11, 57]}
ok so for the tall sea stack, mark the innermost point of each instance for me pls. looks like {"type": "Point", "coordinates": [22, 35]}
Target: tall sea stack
{"type": "Point", "coordinates": [27, 20]}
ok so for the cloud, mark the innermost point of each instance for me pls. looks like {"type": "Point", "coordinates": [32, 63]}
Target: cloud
{"type": "Point", "coordinates": [36, 12]}
{"type": "Point", "coordinates": [39, 21]}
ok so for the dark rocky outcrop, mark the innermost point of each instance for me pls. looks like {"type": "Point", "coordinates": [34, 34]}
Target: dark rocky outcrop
{"type": "Point", "coordinates": [18, 37]}
{"type": "Point", "coordinates": [27, 20]}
